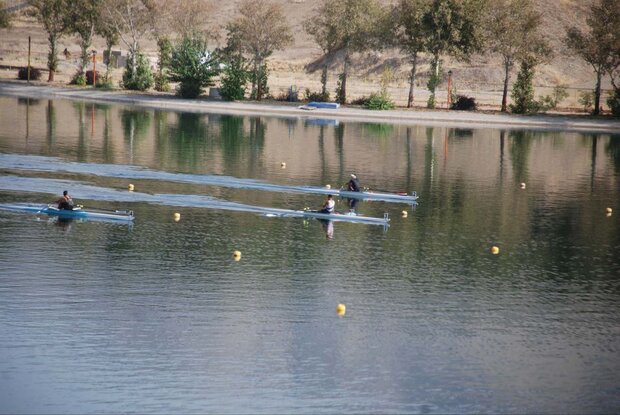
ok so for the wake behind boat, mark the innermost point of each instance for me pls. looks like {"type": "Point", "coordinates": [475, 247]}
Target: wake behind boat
{"type": "Point", "coordinates": [365, 194]}
{"type": "Point", "coordinates": [76, 213]}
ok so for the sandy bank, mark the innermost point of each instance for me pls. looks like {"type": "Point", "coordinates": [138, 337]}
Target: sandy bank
{"type": "Point", "coordinates": [290, 110]}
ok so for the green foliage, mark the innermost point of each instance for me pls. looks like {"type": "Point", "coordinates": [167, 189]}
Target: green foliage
{"type": "Point", "coordinates": [552, 101]}
{"type": "Point", "coordinates": [234, 79]}
{"type": "Point", "coordinates": [340, 91]}
{"type": "Point", "coordinates": [141, 79]}
{"type": "Point", "coordinates": [613, 101]}
{"type": "Point", "coordinates": [193, 66]}
{"type": "Point", "coordinates": [586, 98]}
{"type": "Point", "coordinates": [523, 91]}
{"type": "Point", "coordinates": [316, 96]}
{"type": "Point", "coordinates": [433, 82]}
{"type": "Point", "coordinates": [35, 74]}
{"type": "Point", "coordinates": [463, 103]}
{"type": "Point", "coordinates": [258, 78]}
{"type": "Point", "coordinates": [104, 81]}
{"type": "Point", "coordinates": [380, 101]}
{"type": "Point", "coordinates": [164, 46]}
{"type": "Point", "coordinates": [78, 79]}
{"type": "Point", "coordinates": [5, 17]}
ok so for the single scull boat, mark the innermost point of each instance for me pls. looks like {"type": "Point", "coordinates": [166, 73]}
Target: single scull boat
{"type": "Point", "coordinates": [76, 213]}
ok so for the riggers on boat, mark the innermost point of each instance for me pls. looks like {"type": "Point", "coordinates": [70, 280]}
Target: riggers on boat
{"type": "Point", "coordinates": [75, 213]}
{"type": "Point", "coordinates": [366, 194]}
{"type": "Point", "coordinates": [335, 216]}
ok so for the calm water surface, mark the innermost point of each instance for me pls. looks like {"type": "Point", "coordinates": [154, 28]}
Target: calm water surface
{"type": "Point", "coordinates": [157, 316]}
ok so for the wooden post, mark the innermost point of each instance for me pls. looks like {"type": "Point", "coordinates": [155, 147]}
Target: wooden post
{"type": "Point", "coordinates": [28, 76]}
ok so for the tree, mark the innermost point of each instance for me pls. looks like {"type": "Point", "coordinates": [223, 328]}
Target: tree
{"type": "Point", "coordinates": [350, 26]}
{"type": "Point", "coordinates": [258, 31]}
{"type": "Point", "coordinates": [409, 35]}
{"type": "Point", "coordinates": [52, 15]}
{"type": "Point", "coordinates": [451, 27]}
{"type": "Point", "coordinates": [193, 66]}
{"type": "Point", "coordinates": [108, 31]}
{"type": "Point", "coordinates": [599, 45]}
{"type": "Point", "coordinates": [325, 35]}
{"type": "Point", "coordinates": [132, 20]}
{"type": "Point", "coordinates": [188, 17]}
{"type": "Point", "coordinates": [5, 16]}
{"type": "Point", "coordinates": [83, 17]}
{"type": "Point", "coordinates": [512, 31]}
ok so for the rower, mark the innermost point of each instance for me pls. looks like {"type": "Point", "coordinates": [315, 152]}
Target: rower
{"type": "Point", "coordinates": [329, 205]}
{"type": "Point", "coordinates": [65, 202]}
{"type": "Point", "coordinates": [354, 185]}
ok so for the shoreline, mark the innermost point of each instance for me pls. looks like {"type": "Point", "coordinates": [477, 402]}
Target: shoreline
{"type": "Point", "coordinates": [467, 119]}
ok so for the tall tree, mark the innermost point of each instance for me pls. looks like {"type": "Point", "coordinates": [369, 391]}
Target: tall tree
{"type": "Point", "coordinates": [410, 36]}
{"type": "Point", "coordinates": [512, 32]}
{"type": "Point", "coordinates": [132, 20]}
{"type": "Point", "coordinates": [352, 27]}
{"type": "Point", "coordinates": [83, 18]}
{"type": "Point", "coordinates": [258, 31]}
{"type": "Point", "coordinates": [451, 27]}
{"type": "Point", "coordinates": [55, 20]}
{"type": "Point", "coordinates": [599, 44]}
{"type": "Point", "coordinates": [326, 37]}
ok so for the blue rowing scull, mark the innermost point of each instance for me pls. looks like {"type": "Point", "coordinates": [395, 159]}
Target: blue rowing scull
{"type": "Point", "coordinates": [76, 213]}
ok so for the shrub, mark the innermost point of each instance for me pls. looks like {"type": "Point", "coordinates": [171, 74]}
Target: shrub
{"type": "Point", "coordinates": [613, 101]}
{"type": "Point", "coordinates": [316, 96]}
{"type": "Point", "coordinates": [161, 82]}
{"type": "Point", "coordinates": [35, 74]}
{"type": "Point", "coordinates": [463, 103]}
{"type": "Point", "coordinates": [104, 81]}
{"type": "Point", "coordinates": [360, 101]}
{"type": "Point", "coordinates": [192, 66]}
{"type": "Point", "coordinates": [523, 91]}
{"type": "Point", "coordinates": [380, 101]}
{"type": "Point", "coordinates": [142, 79]}
{"type": "Point", "coordinates": [79, 79]}
{"type": "Point", "coordinates": [234, 79]}
{"type": "Point", "coordinates": [552, 101]}
{"type": "Point", "coordinates": [586, 98]}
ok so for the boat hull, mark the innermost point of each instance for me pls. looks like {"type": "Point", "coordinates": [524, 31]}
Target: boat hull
{"type": "Point", "coordinates": [123, 216]}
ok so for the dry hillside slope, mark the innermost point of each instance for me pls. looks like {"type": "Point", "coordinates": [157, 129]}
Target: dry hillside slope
{"type": "Point", "coordinates": [481, 78]}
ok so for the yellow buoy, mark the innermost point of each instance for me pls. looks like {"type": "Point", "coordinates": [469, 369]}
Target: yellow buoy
{"type": "Point", "coordinates": [283, 165]}
{"type": "Point", "coordinates": [522, 185]}
{"type": "Point", "coordinates": [609, 210]}
{"type": "Point", "coordinates": [341, 309]}
{"type": "Point", "coordinates": [328, 186]}
{"type": "Point", "coordinates": [177, 217]}
{"type": "Point", "coordinates": [130, 187]}
{"type": "Point", "coordinates": [237, 255]}
{"type": "Point", "coordinates": [404, 213]}
{"type": "Point", "coordinates": [494, 250]}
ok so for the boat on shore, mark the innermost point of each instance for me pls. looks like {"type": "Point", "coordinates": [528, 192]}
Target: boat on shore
{"type": "Point", "coordinates": [76, 213]}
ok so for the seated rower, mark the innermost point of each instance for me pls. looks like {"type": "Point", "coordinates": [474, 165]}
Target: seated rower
{"type": "Point", "coordinates": [329, 205]}
{"type": "Point", "coordinates": [354, 185]}
{"type": "Point", "coordinates": [65, 202]}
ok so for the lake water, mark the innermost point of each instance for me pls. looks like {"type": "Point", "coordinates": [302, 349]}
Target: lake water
{"type": "Point", "coordinates": [157, 317]}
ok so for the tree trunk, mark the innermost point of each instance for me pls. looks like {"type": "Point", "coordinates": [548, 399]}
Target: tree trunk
{"type": "Point", "coordinates": [597, 93]}
{"type": "Point", "coordinates": [414, 64]}
{"type": "Point", "coordinates": [343, 82]}
{"type": "Point", "coordinates": [507, 67]}
{"type": "Point", "coordinates": [259, 82]}
{"type": "Point", "coordinates": [324, 81]}
{"type": "Point", "coordinates": [52, 58]}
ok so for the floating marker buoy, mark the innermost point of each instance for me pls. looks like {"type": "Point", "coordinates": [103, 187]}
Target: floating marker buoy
{"type": "Point", "coordinates": [130, 187]}
{"type": "Point", "coordinates": [609, 210]}
{"type": "Point", "coordinates": [177, 217]}
{"type": "Point", "coordinates": [404, 213]}
{"type": "Point", "coordinates": [237, 255]}
{"type": "Point", "coordinates": [522, 185]}
{"type": "Point", "coordinates": [341, 309]}
{"type": "Point", "coordinates": [328, 186]}
{"type": "Point", "coordinates": [494, 250]}
{"type": "Point", "coordinates": [283, 165]}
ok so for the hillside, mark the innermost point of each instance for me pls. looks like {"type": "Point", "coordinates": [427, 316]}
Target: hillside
{"type": "Point", "coordinates": [481, 78]}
